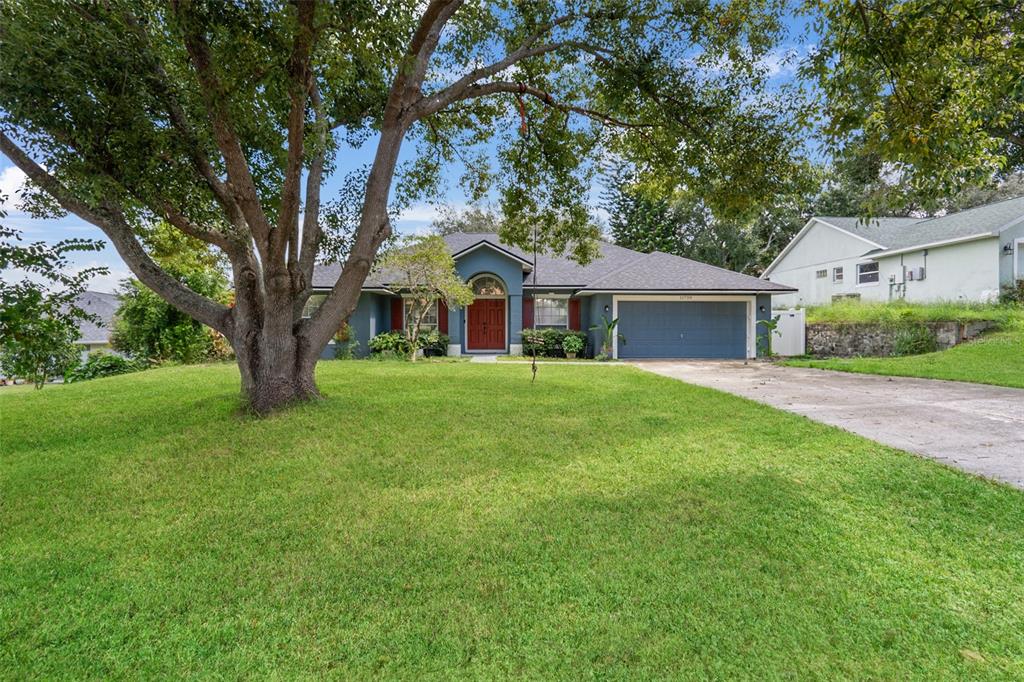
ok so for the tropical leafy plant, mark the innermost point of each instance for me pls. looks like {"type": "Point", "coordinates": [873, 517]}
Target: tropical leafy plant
{"type": "Point", "coordinates": [609, 333]}
{"type": "Point", "coordinates": [391, 342]}
{"type": "Point", "coordinates": [765, 340]}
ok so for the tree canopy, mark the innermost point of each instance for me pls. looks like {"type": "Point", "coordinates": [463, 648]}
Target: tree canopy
{"type": "Point", "coordinates": [931, 87]}
{"type": "Point", "coordinates": [223, 119]}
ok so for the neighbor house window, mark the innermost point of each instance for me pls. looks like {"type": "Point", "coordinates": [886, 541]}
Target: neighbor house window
{"type": "Point", "coordinates": [837, 274]}
{"type": "Point", "coordinates": [429, 319]}
{"type": "Point", "coordinates": [312, 303]}
{"type": "Point", "coordinates": [867, 273]}
{"type": "Point", "coordinates": [821, 274]}
{"type": "Point", "coordinates": [551, 312]}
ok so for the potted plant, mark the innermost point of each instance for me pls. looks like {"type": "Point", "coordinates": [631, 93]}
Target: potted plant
{"type": "Point", "coordinates": [572, 345]}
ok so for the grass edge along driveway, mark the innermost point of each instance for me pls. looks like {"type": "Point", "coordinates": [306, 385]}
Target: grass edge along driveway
{"type": "Point", "coordinates": [453, 520]}
{"type": "Point", "coordinates": [997, 358]}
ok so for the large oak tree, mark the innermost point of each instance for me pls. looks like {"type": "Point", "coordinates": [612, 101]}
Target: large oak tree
{"type": "Point", "coordinates": [224, 119]}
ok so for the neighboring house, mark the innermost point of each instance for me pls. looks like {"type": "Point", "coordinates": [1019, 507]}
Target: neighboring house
{"type": "Point", "coordinates": [92, 335]}
{"type": "Point", "coordinates": [667, 306]}
{"type": "Point", "coordinates": [964, 256]}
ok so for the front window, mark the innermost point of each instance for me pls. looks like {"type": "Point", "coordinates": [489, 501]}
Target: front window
{"type": "Point", "coordinates": [488, 286]}
{"type": "Point", "coordinates": [414, 307]}
{"type": "Point", "coordinates": [867, 273]}
{"type": "Point", "coordinates": [821, 274]}
{"type": "Point", "coordinates": [551, 312]}
{"type": "Point", "coordinates": [312, 303]}
{"type": "Point", "coordinates": [837, 274]}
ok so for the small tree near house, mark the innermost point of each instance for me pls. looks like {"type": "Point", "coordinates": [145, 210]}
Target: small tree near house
{"type": "Point", "coordinates": [424, 270]}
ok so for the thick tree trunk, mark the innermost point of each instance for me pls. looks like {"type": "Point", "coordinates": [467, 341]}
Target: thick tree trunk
{"type": "Point", "coordinates": [276, 371]}
{"type": "Point", "coordinates": [275, 357]}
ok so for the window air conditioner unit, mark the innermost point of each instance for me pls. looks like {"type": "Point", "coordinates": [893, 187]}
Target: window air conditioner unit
{"type": "Point", "coordinates": [915, 274]}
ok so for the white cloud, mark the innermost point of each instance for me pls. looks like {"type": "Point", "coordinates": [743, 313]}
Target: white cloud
{"type": "Point", "coordinates": [11, 180]}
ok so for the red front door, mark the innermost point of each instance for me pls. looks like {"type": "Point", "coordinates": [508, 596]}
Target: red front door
{"type": "Point", "coordinates": [486, 323]}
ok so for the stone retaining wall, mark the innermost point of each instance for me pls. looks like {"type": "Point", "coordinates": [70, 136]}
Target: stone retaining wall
{"type": "Point", "coordinates": [851, 340]}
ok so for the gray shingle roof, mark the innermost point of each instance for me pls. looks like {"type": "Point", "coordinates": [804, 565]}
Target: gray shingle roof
{"type": "Point", "coordinates": [901, 233]}
{"type": "Point", "coordinates": [617, 268]}
{"type": "Point", "coordinates": [103, 306]}
{"type": "Point", "coordinates": [660, 271]}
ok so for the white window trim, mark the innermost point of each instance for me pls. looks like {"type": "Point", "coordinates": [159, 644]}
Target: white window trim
{"type": "Point", "coordinates": [305, 305]}
{"type": "Point", "coordinates": [751, 302]}
{"type": "Point", "coordinates": [500, 281]}
{"type": "Point", "coordinates": [867, 284]}
{"type": "Point", "coordinates": [536, 324]}
{"type": "Point", "coordinates": [842, 274]}
{"type": "Point", "coordinates": [1018, 248]}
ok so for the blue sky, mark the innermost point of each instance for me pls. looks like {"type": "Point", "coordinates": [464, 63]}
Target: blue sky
{"type": "Point", "coordinates": [418, 217]}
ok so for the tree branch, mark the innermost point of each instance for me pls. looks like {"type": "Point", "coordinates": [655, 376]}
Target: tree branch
{"type": "Point", "coordinates": [299, 76]}
{"type": "Point", "coordinates": [180, 121]}
{"type": "Point", "coordinates": [425, 40]}
{"type": "Point", "coordinates": [240, 179]}
{"type": "Point", "coordinates": [496, 87]}
{"type": "Point", "coordinates": [311, 233]}
{"type": "Point", "coordinates": [110, 219]}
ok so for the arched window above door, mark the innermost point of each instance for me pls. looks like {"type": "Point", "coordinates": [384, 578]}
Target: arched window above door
{"type": "Point", "coordinates": [485, 285]}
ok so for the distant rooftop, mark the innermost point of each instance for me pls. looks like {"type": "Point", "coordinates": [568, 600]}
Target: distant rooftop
{"type": "Point", "coordinates": [103, 306]}
{"type": "Point", "coordinates": [891, 234]}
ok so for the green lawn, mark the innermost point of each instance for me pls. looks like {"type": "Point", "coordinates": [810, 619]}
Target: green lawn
{"type": "Point", "coordinates": [997, 358]}
{"type": "Point", "coordinates": [596, 524]}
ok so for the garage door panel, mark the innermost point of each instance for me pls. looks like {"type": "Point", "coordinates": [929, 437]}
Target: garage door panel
{"type": "Point", "coordinates": [683, 329]}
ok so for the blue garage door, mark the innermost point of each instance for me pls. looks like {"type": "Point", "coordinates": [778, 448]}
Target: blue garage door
{"type": "Point", "coordinates": [683, 329]}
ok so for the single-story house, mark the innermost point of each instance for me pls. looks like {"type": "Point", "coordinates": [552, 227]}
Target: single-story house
{"type": "Point", "coordinates": [96, 335]}
{"type": "Point", "coordinates": [667, 306]}
{"type": "Point", "coordinates": [965, 256]}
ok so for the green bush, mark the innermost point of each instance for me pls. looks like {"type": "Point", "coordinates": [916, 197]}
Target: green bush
{"type": "Point", "coordinates": [345, 346]}
{"type": "Point", "coordinates": [102, 364]}
{"type": "Point", "coordinates": [433, 343]}
{"type": "Point", "coordinates": [549, 342]}
{"type": "Point", "coordinates": [914, 341]}
{"type": "Point", "coordinates": [397, 343]}
{"type": "Point", "coordinates": [572, 344]}
{"type": "Point", "coordinates": [1013, 295]}
{"type": "Point", "coordinates": [394, 342]}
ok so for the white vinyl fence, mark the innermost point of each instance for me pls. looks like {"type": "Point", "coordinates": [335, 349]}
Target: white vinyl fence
{"type": "Point", "coordinates": [790, 336]}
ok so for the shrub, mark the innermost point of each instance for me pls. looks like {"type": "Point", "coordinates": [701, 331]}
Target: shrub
{"type": "Point", "coordinates": [550, 342]}
{"type": "Point", "coordinates": [572, 343]}
{"type": "Point", "coordinates": [345, 347]}
{"type": "Point", "coordinates": [914, 340]}
{"type": "Point", "coordinates": [1013, 295]}
{"type": "Point", "coordinates": [102, 364]}
{"type": "Point", "coordinates": [433, 343]}
{"type": "Point", "coordinates": [394, 341]}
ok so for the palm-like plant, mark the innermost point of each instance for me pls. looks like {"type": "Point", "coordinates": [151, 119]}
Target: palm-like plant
{"type": "Point", "coordinates": [609, 332]}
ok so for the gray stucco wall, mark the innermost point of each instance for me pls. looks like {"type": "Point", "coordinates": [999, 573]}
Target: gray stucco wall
{"type": "Point", "coordinates": [488, 261]}
{"type": "Point", "coordinates": [371, 317]}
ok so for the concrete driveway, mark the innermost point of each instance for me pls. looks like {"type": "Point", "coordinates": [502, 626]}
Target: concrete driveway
{"type": "Point", "coordinates": [976, 428]}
